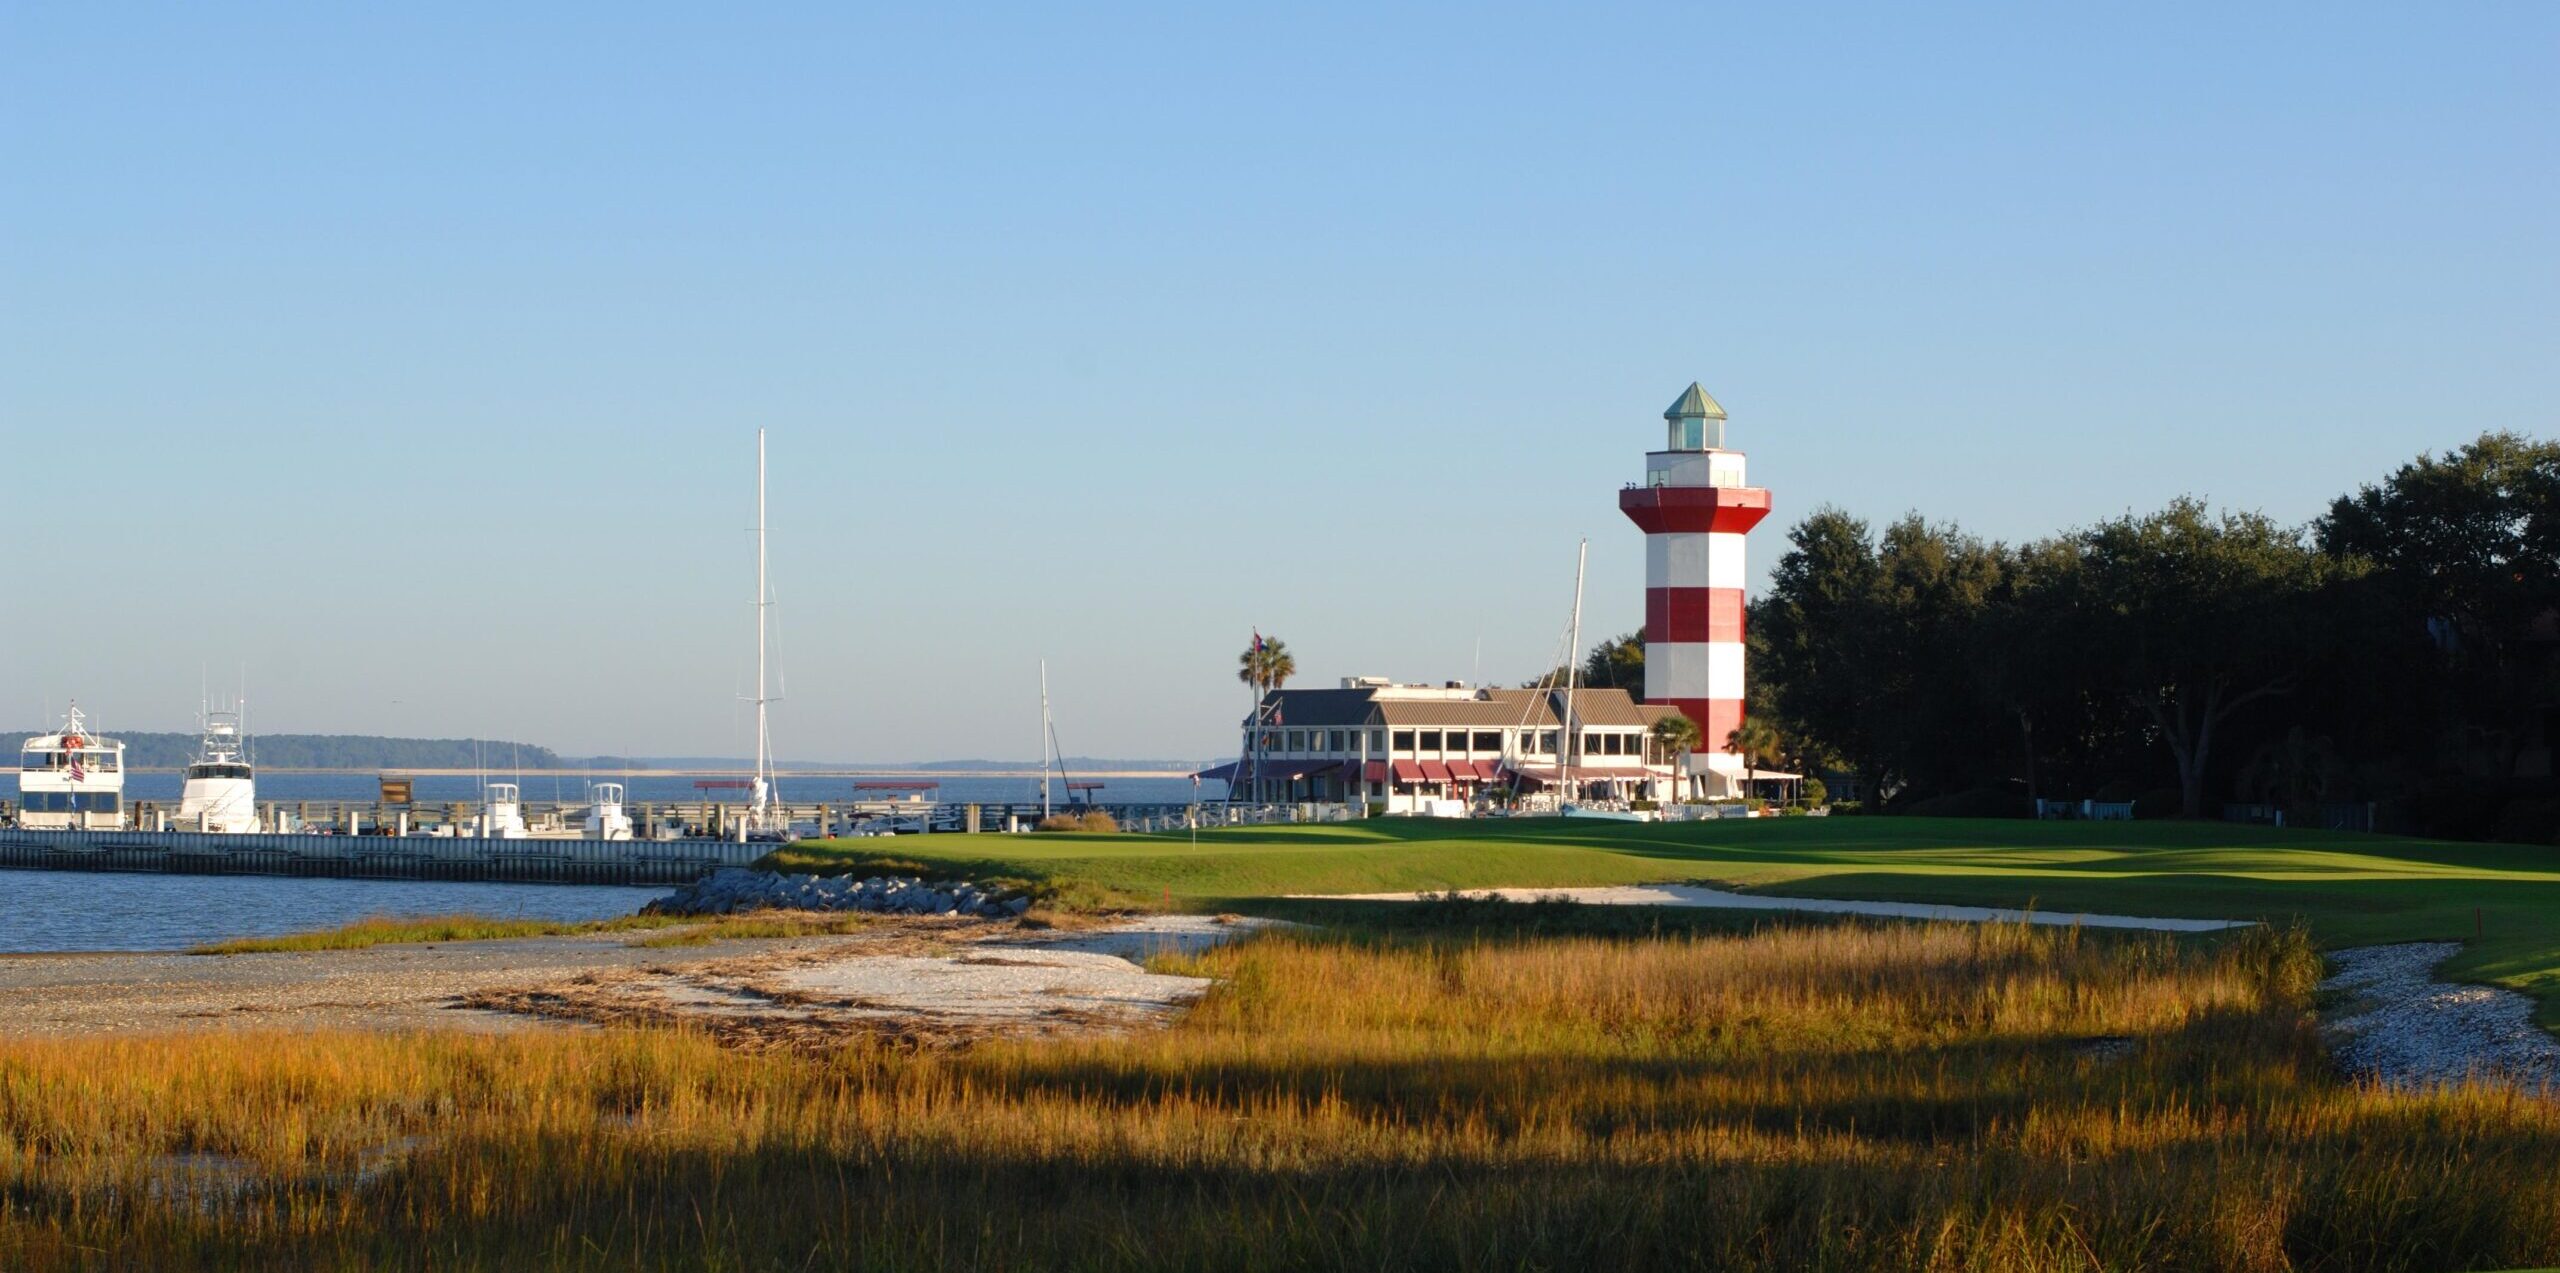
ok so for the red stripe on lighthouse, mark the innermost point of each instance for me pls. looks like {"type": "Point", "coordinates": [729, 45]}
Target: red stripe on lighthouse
{"type": "Point", "coordinates": [1692, 614]}
{"type": "Point", "coordinates": [1716, 719]}
{"type": "Point", "coordinates": [1662, 510]}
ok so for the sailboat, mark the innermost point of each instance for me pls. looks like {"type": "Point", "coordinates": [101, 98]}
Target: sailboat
{"type": "Point", "coordinates": [764, 820]}
{"type": "Point", "coordinates": [1568, 805]}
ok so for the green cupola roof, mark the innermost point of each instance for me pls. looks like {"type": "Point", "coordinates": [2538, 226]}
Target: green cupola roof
{"type": "Point", "coordinates": [1694, 404]}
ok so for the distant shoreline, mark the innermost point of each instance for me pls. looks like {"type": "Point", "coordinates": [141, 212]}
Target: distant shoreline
{"type": "Point", "coordinates": [699, 772]}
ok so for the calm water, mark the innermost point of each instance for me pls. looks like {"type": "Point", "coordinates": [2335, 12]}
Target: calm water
{"type": "Point", "coordinates": [83, 910]}
{"type": "Point", "coordinates": [76, 910]}
{"type": "Point", "coordinates": [439, 790]}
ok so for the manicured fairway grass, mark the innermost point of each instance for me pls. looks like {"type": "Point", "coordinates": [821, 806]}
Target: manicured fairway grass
{"type": "Point", "coordinates": [2503, 901]}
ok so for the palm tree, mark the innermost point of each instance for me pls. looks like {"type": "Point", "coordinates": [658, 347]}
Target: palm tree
{"type": "Point", "coordinates": [1675, 734]}
{"type": "Point", "coordinates": [1754, 740]}
{"type": "Point", "coordinates": [1266, 665]}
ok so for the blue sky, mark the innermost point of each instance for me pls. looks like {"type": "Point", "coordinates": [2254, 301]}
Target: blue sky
{"type": "Point", "coordinates": [411, 359]}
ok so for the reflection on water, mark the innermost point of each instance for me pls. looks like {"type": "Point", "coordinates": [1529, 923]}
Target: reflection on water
{"type": "Point", "coordinates": [80, 910]}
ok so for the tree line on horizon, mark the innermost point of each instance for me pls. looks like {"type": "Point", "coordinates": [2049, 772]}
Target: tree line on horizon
{"type": "Point", "coordinates": [168, 750]}
{"type": "Point", "coordinates": [2399, 649]}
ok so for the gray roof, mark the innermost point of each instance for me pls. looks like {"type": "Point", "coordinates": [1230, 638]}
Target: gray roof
{"type": "Point", "coordinates": [1695, 403]}
{"type": "Point", "coordinates": [1324, 707]}
{"type": "Point", "coordinates": [1498, 708]}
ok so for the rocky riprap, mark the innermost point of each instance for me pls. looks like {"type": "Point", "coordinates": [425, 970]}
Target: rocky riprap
{"type": "Point", "coordinates": [733, 890]}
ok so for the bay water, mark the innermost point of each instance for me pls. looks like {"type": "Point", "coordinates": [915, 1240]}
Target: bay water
{"type": "Point", "coordinates": [92, 911]}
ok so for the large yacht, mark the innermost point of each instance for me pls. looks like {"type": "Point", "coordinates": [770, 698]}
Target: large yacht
{"type": "Point", "coordinates": [221, 794]}
{"type": "Point", "coordinates": [71, 780]}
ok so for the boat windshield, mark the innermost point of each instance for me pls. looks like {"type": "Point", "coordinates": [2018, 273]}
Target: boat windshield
{"type": "Point", "coordinates": [216, 770]}
{"type": "Point", "coordinates": [48, 759]}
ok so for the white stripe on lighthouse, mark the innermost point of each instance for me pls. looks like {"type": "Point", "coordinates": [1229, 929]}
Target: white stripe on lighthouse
{"type": "Point", "coordinates": [1693, 669]}
{"type": "Point", "coordinates": [1724, 562]}
{"type": "Point", "coordinates": [1693, 561]}
{"type": "Point", "coordinates": [1724, 670]}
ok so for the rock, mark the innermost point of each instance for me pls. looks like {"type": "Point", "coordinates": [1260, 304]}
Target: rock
{"type": "Point", "coordinates": [734, 890]}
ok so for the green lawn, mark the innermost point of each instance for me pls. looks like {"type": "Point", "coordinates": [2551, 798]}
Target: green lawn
{"type": "Point", "coordinates": [2351, 889]}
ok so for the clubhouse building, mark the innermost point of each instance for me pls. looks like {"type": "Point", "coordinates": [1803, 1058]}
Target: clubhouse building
{"type": "Point", "coordinates": [1435, 749]}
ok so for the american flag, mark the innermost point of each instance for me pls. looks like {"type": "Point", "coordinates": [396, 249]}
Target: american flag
{"type": "Point", "coordinates": [79, 771]}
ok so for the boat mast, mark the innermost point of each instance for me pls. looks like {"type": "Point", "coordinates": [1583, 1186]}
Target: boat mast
{"type": "Point", "coordinates": [1573, 673]}
{"type": "Point", "coordinates": [761, 798]}
{"type": "Point", "coordinates": [1047, 731]}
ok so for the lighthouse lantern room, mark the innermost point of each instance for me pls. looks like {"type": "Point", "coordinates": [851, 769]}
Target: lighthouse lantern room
{"type": "Point", "coordinates": [1695, 507]}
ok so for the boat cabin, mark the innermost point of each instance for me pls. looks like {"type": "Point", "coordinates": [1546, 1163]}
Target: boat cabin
{"type": "Point", "coordinates": [71, 780]}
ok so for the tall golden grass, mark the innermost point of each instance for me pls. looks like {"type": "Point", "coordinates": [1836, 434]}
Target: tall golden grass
{"type": "Point", "coordinates": [384, 930]}
{"type": "Point", "coordinates": [1840, 1097]}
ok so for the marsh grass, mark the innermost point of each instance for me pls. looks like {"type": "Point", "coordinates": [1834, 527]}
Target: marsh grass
{"type": "Point", "coordinates": [1834, 1096]}
{"type": "Point", "coordinates": [383, 930]}
{"type": "Point", "coordinates": [767, 924]}
{"type": "Point", "coordinates": [671, 931]}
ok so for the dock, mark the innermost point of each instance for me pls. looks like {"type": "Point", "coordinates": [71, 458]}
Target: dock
{"type": "Point", "coordinates": [675, 844]}
{"type": "Point", "coordinates": [377, 857]}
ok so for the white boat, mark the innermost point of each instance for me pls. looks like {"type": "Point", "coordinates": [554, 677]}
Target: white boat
{"type": "Point", "coordinates": [71, 780]}
{"type": "Point", "coordinates": [605, 818]}
{"type": "Point", "coordinates": [221, 793]}
{"type": "Point", "coordinates": [502, 812]}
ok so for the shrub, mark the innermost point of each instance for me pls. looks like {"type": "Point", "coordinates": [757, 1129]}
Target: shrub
{"type": "Point", "coordinates": [1643, 806]}
{"type": "Point", "coordinates": [1848, 808]}
{"type": "Point", "coordinates": [2117, 791]}
{"type": "Point", "coordinates": [2159, 802]}
{"type": "Point", "coordinates": [1815, 794]}
{"type": "Point", "coordinates": [2461, 808]}
{"type": "Point", "coordinates": [1097, 822]}
{"type": "Point", "coordinates": [2534, 820]}
{"type": "Point", "coordinates": [1979, 802]}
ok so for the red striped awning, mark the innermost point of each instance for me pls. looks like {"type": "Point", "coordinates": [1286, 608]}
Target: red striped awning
{"type": "Point", "coordinates": [1434, 771]}
{"type": "Point", "coordinates": [1375, 773]}
{"type": "Point", "coordinates": [1408, 771]}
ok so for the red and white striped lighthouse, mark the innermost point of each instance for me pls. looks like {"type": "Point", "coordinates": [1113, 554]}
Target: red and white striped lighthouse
{"type": "Point", "coordinates": [1695, 509]}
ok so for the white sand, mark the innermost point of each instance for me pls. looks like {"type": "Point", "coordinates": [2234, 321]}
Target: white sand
{"type": "Point", "coordinates": [968, 977]}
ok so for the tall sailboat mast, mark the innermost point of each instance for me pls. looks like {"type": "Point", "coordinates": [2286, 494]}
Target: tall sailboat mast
{"type": "Point", "coordinates": [761, 799]}
{"type": "Point", "coordinates": [1047, 732]}
{"type": "Point", "coordinates": [1573, 673]}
